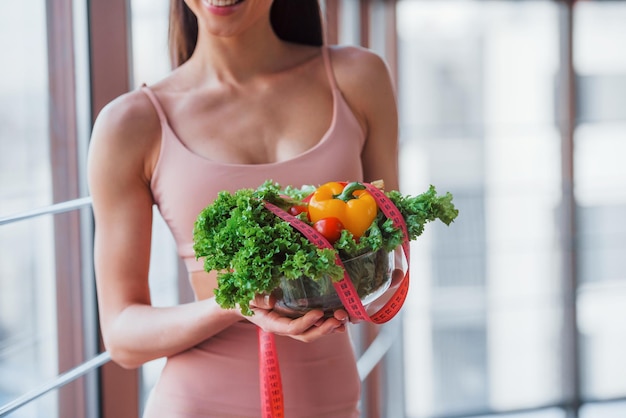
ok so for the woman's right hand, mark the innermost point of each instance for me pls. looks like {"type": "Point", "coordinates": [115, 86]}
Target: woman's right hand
{"type": "Point", "coordinates": [307, 328]}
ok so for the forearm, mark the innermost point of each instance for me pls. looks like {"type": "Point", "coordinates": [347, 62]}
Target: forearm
{"type": "Point", "coordinates": [141, 333]}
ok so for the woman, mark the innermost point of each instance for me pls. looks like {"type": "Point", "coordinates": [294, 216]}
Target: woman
{"type": "Point", "coordinates": [254, 95]}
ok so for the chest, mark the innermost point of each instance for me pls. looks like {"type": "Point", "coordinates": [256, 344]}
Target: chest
{"type": "Point", "coordinates": [269, 123]}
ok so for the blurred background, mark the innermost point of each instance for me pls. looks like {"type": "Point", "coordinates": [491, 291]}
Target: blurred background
{"type": "Point", "coordinates": [517, 107]}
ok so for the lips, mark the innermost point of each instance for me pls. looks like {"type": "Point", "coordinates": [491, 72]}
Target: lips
{"type": "Point", "coordinates": [222, 3]}
{"type": "Point", "coordinates": [222, 7]}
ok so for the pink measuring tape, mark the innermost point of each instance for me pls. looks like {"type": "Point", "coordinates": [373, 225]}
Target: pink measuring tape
{"type": "Point", "coordinates": [272, 402]}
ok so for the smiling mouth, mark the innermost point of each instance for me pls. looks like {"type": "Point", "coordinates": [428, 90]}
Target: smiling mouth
{"type": "Point", "coordinates": [223, 3]}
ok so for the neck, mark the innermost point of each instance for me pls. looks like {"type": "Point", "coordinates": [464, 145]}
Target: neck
{"type": "Point", "coordinates": [239, 57]}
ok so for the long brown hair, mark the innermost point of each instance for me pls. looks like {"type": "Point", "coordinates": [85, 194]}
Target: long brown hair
{"type": "Point", "coordinates": [298, 21]}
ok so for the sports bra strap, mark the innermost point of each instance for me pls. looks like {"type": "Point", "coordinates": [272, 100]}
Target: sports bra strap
{"type": "Point", "coordinates": [155, 103]}
{"type": "Point", "coordinates": [329, 68]}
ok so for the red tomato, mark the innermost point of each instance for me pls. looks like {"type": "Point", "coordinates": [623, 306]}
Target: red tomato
{"type": "Point", "coordinates": [297, 210]}
{"type": "Point", "coordinates": [330, 228]}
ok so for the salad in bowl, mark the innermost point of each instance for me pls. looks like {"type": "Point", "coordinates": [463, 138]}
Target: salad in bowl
{"type": "Point", "coordinates": [269, 240]}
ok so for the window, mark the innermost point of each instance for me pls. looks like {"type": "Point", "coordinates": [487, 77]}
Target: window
{"type": "Point", "coordinates": [600, 187]}
{"type": "Point", "coordinates": [28, 340]}
{"type": "Point", "coordinates": [488, 314]}
{"type": "Point", "coordinates": [47, 313]}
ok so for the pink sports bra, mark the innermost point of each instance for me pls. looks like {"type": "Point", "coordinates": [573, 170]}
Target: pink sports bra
{"type": "Point", "coordinates": [183, 183]}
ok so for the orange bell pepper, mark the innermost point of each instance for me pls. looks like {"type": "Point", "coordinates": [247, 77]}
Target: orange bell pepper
{"type": "Point", "coordinates": [352, 204]}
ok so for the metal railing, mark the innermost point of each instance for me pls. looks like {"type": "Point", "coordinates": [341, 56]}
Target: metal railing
{"type": "Point", "coordinates": [83, 368]}
{"type": "Point", "coordinates": [365, 364]}
{"type": "Point", "coordinates": [48, 210]}
{"type": "Point", "coordinates": [60, 381]}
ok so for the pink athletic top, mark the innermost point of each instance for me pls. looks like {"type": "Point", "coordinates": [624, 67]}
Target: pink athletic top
{"type": "Point", "coordinates": [219, 377]}
{"type": "Point", "coordinates": [184, 183]}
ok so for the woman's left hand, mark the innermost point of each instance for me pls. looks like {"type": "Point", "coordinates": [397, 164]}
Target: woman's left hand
{"type": "Point", "coordinates": [307, 328]}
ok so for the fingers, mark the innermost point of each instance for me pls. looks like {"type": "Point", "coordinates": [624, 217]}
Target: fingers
{"type": "Point", "coordinates": [263, 301]}
{"type": "Point", "coordinates": [341, 316]}
{"type": "Point", "coordinates": [396, 276]}
{"type": "Point", "coordinates": [322, 327]}
{"type": "Point", "coordinates": [307, 328]}
{"type": "Point", "coordinates": [311, 319]}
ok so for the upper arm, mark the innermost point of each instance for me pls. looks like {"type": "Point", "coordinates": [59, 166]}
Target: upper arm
{"type": "Point", "coordinates": [121, 150]}
{"type": "Point", "coordinates": [365, 80]}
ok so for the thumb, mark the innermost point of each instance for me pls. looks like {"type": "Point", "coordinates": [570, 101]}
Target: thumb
{"type": "Point", "coordinates": [263, 301]}
{"type": "Point", "coordinates": [396, 276]}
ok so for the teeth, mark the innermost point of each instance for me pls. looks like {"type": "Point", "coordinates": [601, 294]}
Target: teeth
{"type": "Point", "coordinates": [222, 3]}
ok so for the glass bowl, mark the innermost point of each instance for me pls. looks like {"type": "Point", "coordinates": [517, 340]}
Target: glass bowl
{"type": "Point", "coordinates": [370, 273]}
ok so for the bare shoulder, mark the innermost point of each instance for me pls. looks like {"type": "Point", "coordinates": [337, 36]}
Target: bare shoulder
{"type": "Point", "coordinates": [355, 67]}
{"type": "Point", "coordinates": [129, 124]}
{"type": "Point", "coordinates": [125, 139]}
{"type": "Point", "coordinates": [365, 81]}
{"type": "Point", "coordinates": [130, 116]}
